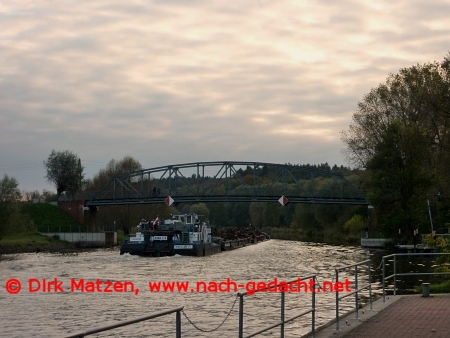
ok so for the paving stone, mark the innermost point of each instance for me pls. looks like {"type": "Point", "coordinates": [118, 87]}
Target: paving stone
{"type": "Point", "coordinates": [411, 316]}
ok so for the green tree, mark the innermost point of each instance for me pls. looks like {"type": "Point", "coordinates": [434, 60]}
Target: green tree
{"type": "Point", "coordinates": [219, 214]}
{"type": "Point", "coordinates": [45, 194]}
{"type": "Point", "coordinates": [240, 212]}
{"type": "Point", "coordinates": [200, 209]}
{"type": "Point", "coordinates": [272, 215]}
{"type": "Point", "coordinates": [305, 219]}
{"type": "Point", "coordinates": [64, 169]}
{"type": "Point", "coordinates": [257, 211]}
{"type": "Point", "coordinates": [353, 228]}
{"type": "Point", "coordinates": [9, 191]}
{"type": "Point", "coordinates": [400, 133]}
{"type": "Point", "coordinates": [400, 178]}
{"type": "Point", "coordinates": [10, 197]}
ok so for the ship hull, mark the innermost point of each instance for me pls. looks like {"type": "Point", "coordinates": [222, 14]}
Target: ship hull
{"type": "Point", "coordinates": [155, 250]}
{"type": "Point", "coordinates": [199, 250]}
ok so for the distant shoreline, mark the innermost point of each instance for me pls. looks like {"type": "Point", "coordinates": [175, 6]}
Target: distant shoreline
{"type": "Point", "coordinates": [36, 248]}
{"type": "Point", "coordinates": [35, 243]}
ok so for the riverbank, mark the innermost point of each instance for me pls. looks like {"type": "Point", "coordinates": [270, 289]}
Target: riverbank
{"type": "Point", "coordinates": [34, 242]}
{"type": "Point", "coordinates": [329, 236]}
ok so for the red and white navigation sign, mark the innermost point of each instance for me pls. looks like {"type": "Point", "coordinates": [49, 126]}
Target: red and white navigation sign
{"type": "Point", "coordinates": [283, 200]}
{"type": "Point", "coordinates": [168, 200]}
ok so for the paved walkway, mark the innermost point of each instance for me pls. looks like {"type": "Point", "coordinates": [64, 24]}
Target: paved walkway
{"type": "Point", "coordinates": [399, 317]}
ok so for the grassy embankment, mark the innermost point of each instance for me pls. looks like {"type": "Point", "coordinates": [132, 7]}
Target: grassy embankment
{"type": "Point", "coordinates": [42, 217]}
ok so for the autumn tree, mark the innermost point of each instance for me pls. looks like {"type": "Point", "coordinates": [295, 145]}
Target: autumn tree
{"type": "Point", "coordinates": [123, 216]}
{"type": "Point", "coordinates": [113, 168]}
{"type": "Point", "coordinates": [400, 132]}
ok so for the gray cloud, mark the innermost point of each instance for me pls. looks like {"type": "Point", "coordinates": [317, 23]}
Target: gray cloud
{"type": "Point", "coordinates": [182, 81]}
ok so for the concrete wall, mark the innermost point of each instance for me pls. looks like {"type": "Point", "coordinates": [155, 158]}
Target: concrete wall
{"type": "Point", "coordinates": [374, 242]}
{"type": "Point", "coordinates": [94, 237]}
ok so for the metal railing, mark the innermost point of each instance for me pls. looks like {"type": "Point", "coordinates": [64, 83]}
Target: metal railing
{"type": "Point", "coordinates": [74, 228]}
{"type": "Point", "coordinates": [62, 228]}
{"type": "Point", "coordinates": [356, 290]}
{"type": "Point", "coordinates": [132, 321]}
{"type": "Point", "coordinates": [281, 288]}
{"type": "Point", "coordinates": [395, 274]}
{"type": "Point", "coordinates": [108, 228]}
{"type": "Point", "coordinates": [374, 234]}
{"type": "Point", "coordinates": [282, 308]}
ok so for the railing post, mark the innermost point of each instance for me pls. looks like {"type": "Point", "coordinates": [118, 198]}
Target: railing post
{"type": "Point", "coordinates": [282, 316]}
{"type": "Point", "coordinates": [395, 273]}
{"type": "Point", "coordinates": [178, 320]}
{"type": "Point", "coordinates": [241, 316]}
{"type": "Point", "coordinates": [133, 321]}
{"type": "Point", "coordinates": [337, 301]}
{"type": "Point", "coordinates": [370, 286]}
{"type": "Point", "coordinates": [313, 301]}
{"type": "Point", "coordinates": [356, 293]}
{"type": "Point", "coordinates": [384, 293]}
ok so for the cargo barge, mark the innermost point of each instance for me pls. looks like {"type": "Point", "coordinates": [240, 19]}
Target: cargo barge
{"type": "Point", "coordinates": [185, 235]}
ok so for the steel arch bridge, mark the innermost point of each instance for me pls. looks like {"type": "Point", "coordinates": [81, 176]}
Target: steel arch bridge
{"type": "Point", "coordinates": [228, 181]}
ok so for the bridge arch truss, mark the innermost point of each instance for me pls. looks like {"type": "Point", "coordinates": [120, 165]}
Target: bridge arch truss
{"type": "Point", "coordinates": [226, 181]}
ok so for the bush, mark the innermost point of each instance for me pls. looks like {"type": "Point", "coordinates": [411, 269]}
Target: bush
{"type": "Point", "coordinates": [432, 242]}
{"type": "Point", "coordinates": [353, 228]}
{"type": "Point", "coordinates": [442, 269]}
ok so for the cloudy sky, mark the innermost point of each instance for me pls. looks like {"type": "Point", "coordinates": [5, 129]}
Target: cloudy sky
{"type": "Point", "coordinates": [176, 81]}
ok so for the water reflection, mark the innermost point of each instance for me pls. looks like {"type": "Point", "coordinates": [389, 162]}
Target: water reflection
{"type": "Point", "coordinates": [57, 314]}
{"type": "Point", "coordinates": [406, 264]}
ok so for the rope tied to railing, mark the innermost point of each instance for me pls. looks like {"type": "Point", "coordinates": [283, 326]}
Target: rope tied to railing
{"type": "Point", "coordinates": [379, 266]}
{"type": "Point", "coordinates": [216, 328]}
{"type": "Point", "coordinates": [318, 284]}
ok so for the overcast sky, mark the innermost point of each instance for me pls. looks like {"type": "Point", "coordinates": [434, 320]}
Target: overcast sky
{"type": "Point", "coordinates": [179, 81]}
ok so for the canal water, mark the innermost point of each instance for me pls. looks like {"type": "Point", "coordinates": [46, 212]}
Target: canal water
{"type": "Point", "coordinates": [50, 314]}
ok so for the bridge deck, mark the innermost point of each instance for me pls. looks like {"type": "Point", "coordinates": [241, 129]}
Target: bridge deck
{"type": "Point", "coordinates": [228, 182]}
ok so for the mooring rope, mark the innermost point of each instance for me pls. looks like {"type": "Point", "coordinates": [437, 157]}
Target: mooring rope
{"type": "Point", "coordinates": [379, 266]}
{"type": "Point", "coordinates": [318, 284]}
